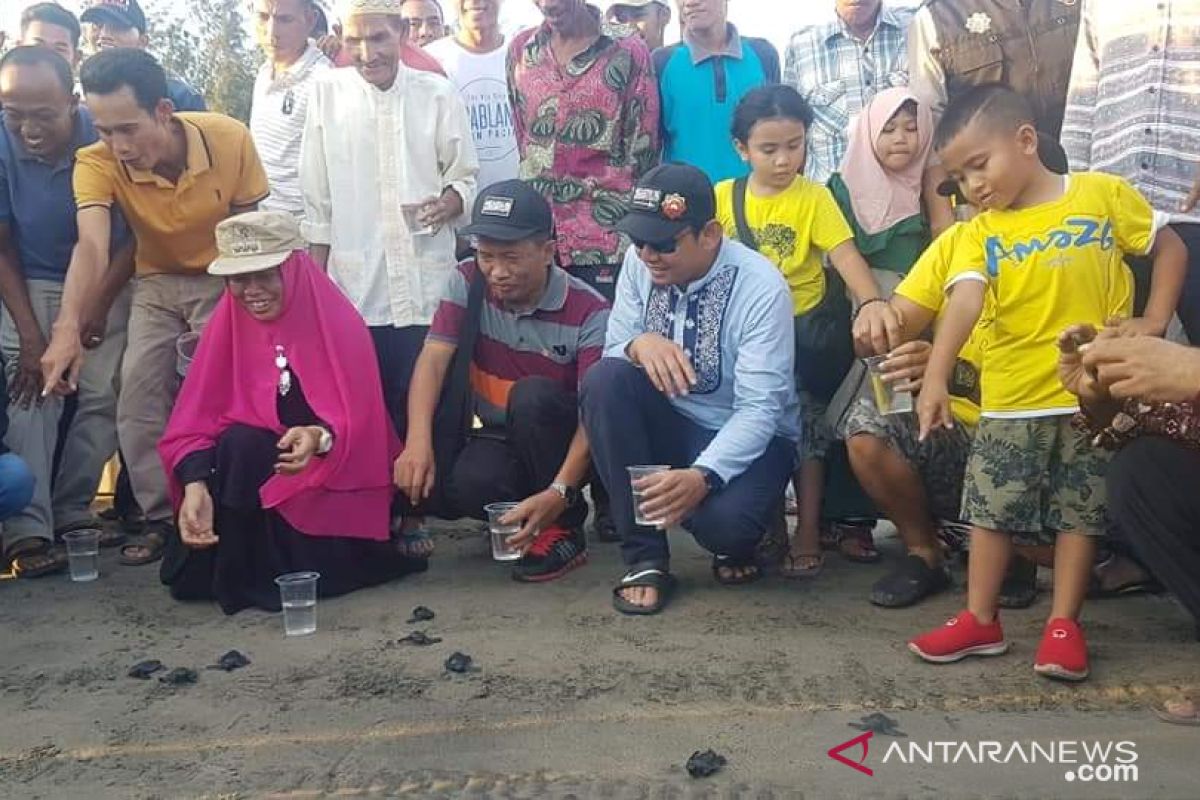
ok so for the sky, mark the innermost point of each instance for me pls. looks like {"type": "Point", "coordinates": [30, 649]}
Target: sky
{"type": "Point", "coordinates": [775, 20]}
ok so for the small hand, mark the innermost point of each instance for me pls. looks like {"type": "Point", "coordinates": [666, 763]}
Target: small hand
{"type": "Point", "coordinates": [671, 496]}
{"type": "Point", "coordinates": [61, 364]}
{"type": "Point", "coordinates": [26, 388]}
{"type": "Point", "coordinates": [1072, 343]}
{"type": "Point", "coordinates": [414, 472]}
{"type": "Point", "coordinates": [297, 448]}
{"type": "Point", "coordinates": [330, 45]}
{"type": "Point", "coordinates": [905, 366]}
{"type": "Point", "coordinates": [196, 517]}
{"type": "Point", "coordinates": [878, 328]}
{"type": "Point", "coordinates": [534, 513]}
{"type": "Point", "coordinates": [933, 410]}
{"type": "Point", "coordinates": [665, 364]}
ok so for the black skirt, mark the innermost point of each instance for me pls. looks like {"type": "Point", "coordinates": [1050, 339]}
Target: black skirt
{"type": "Point", "coordinates": [257, 545]}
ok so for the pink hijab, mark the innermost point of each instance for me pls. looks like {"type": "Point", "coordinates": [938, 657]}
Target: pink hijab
{"type": "Point", "coordinates": [880, 197]}
{"type": "Point", "coordinates": [233, 380]}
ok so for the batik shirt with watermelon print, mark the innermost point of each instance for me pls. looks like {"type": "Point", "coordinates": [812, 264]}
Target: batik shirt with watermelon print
{"type": "Point", "coordinates": [586, 133]}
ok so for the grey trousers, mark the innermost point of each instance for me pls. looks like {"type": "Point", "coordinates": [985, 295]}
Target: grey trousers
{"type": "Point", "coordinates": [164, 308]}
{"type": "Point", "coordinates": [33, 433]}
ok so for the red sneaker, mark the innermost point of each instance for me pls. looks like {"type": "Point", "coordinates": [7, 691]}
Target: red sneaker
{"type": "Point", "coordinates": [960, 637]}
{"type": "Point", "coordinates": [1063, 651]}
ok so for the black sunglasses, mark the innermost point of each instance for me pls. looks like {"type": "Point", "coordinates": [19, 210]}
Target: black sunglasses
{"type": "Point", "coordinates": [664, 248]}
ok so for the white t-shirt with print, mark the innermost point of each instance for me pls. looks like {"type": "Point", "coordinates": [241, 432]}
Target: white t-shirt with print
{"type": "Point", "coordinates": [483, 84]}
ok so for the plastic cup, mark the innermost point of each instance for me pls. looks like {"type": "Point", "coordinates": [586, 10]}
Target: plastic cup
{"type": "Point", "coordinates": [298, 595]}
{"type": "Point", "coordinates": [636, 473]}
{"type": "Point", "coordinates": [185, 350]}
{"type": "Point", "coordinates": [887, 399]}
{"type": "Point", "coordinates": [500, 533]}
{"type": "Point", "coordinates": [412, 214]}
{"type": "Point", "coordinates": [83, 554]}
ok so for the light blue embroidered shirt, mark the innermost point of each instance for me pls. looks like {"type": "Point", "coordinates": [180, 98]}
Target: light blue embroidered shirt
{"type": "Point", "coordinates": [735, 325]}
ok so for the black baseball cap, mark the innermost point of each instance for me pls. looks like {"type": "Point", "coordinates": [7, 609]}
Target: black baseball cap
{"type": "Point", "coordinates": [668, 200]}
{"type": "Point", "coordinates": [120, 13]}
{"type": "Point", "coordinates": [1050, 152]}
{"type": "Point", "coordinates": [510, 211]}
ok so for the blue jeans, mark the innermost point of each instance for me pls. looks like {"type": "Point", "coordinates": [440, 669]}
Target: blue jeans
{"type": "Point", "coordinates": [16, 485]}
{"type": "Point", "coordinates": [629, 422]}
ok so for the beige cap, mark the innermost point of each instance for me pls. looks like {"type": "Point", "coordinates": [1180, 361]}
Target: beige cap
{"type": "Point", "coordinates": [255, 241]}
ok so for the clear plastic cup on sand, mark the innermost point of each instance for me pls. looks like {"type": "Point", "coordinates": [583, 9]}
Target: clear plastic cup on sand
{"type": "Point", "coordinates": [887, 399]}
{"type": "Point", "coordinates": [83, 554]}
{"type": "Point", "coordinates": [500, 532]}
{"type": "Point", "coordinates": [636, 473]}
{"type": "Point", "coordinates": [185, 351]}
{"type": "Point", "coordinates": [298, 595]}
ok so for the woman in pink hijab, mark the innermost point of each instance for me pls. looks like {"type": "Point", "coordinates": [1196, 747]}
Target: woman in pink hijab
{"type": "Point", "coordinates": [879, 184]}
{"type": "Point", "coordinates": [279, 448]}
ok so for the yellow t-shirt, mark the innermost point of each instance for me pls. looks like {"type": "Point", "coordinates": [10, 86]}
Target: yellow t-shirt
{"type": "Point", "coordinates": [794, 229]}
{"type": "Point", "coordinates": [1047, 268]}
{"type": "Point", "coordinates": [174, 223]}
{"type": "Point", "coordinates": [925, 285]}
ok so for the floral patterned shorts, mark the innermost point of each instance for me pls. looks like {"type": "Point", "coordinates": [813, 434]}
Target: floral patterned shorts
{"type": "Point", "coordinates": [1035, 476]}
{"type": "Point", "coordinates": [941, 459]}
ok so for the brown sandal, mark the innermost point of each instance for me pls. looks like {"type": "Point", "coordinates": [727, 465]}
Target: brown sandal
{"type": "Point", "coordinates": [36, 559]}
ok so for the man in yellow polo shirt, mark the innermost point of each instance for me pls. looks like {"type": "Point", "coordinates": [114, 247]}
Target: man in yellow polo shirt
{"type": "Point", "coordinates": [174, 177]}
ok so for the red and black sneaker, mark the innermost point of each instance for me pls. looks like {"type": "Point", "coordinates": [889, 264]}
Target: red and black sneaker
{"type": "Point", "coordinates": [555, 552]}
{"type": "Point", "coordinates": [960, 637]}
{"type": "Point", "coordinates": [1063, 651]}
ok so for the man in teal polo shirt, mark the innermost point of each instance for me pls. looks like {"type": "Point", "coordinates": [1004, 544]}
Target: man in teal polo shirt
{"type": "Point", "coordinates": [702, 79]}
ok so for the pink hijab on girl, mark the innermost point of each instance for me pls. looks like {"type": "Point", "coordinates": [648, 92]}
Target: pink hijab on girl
{"type": "Point", "coordinates": [882, 197]}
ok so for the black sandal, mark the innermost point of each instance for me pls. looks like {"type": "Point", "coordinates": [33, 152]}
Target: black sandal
{"type": "Point", "coordinates": [154, 543]}
{"type": "Point", "coordinates": [909, 583]}
{"type": "Point", "coordinates": [35, 560]}
{"type": "Point", "coordinates": [649, 576]}
{"type": "Point", "coordinates": [751, 571]}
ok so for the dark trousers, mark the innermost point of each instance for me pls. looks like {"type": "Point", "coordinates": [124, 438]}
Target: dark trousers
{"type": "Point", "coordinates": [1155, 510]}
{"type": "Point", "coordinates": [629, 422]}
{"type": "Point", "coordinates": [519, 460]}
{"type": "Point", "coordinates": [397, 349]}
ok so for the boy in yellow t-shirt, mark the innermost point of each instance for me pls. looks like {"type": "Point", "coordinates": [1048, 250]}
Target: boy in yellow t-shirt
{"type": "Point", "coordinates": [796, 223]}
{"type": "Point", "coordinates": [1048, 251]}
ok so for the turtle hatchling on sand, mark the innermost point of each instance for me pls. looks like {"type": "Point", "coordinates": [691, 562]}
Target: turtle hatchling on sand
{"type": "Point", "coordinates": [144, 669]}
{"type": "Point", "coordinates": [878, 723]}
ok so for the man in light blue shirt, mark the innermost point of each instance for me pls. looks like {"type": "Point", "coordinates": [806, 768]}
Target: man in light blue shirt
{"type": "Point", "coordinates": [698, 374]}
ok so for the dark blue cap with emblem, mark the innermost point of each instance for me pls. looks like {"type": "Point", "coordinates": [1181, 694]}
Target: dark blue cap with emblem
{"type": "Point", "coordinates": [667, 200]}
{"type": "Point", "coordinates": [510, 211]}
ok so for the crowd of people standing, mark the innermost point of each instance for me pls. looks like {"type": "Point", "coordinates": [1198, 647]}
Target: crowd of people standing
{"type": "Point", "coordinates": [444, 267]}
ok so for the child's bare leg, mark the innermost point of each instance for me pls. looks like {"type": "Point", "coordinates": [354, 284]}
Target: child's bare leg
{"type": "Point", "coordinates": [1073, 557]}
{"type": "Point", "coordinates": [990, 552]}
{"type": "Point", "coordinates": [810, 486]}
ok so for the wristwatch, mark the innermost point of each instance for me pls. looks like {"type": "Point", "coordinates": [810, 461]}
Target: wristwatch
{"type": "Point", "coordinates": [326, 442]}
{"type": "Point", "coordinates": [712, 480]}
{"type": "Point", "coordinates": [568, 493]}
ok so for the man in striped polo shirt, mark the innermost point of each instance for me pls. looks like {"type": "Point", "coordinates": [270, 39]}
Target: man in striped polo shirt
{"type": "Point", "coordinates": [539, 332]}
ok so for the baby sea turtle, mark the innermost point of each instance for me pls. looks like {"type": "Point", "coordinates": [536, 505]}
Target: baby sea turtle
{"type": "Point", "coordinates": [231, 661]}
{"type": "Point", "coordinates": [420, 639]}
{"type": "Point", "coordinates": [180, 676]}
{"type": "Point", "coordinates": [144, 669]}
{"type": "Point", "coordinates": [459, 662]}
{"type": "Point", "coordinates": [704, 764]}
{"type": "Point", "coordinates": [420, 614]}
{"type": "Point", "coordinates": [879, 723]}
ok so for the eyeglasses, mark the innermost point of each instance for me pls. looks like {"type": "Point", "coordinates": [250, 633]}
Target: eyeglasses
{"type": "Point", "coordinates": [662, 248]}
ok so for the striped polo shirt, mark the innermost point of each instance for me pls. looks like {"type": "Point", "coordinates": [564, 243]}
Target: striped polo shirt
{"type": "Point", "coordinates": [560, 339]}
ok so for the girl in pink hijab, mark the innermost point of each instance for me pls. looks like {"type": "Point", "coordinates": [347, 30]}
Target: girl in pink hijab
{"type": "Point", "coordinates": [279, 449]}
{"type": "Point", "coordinates": [879, 185]}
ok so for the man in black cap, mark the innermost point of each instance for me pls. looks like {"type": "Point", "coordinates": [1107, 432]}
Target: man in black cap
{"type": "Point", "coordinates": [122, 23]}
{"type": "Point", "coordinates": [698, 375]}
{"type": "Point", "coordinates": [526, 333]}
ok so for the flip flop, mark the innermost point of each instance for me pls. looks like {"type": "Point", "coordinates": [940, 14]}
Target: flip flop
{"type": "Point", "coordinates": [862, 537]}
{"type": "Point", "coordinates": [154, 543]}
{"type": "Point", "coordinates": [789, 568]}
{"type": "Point", "coordinates": [729, 562]}
{"type": "Point", "coordinates": [415, 544]}
{"type": "Point", "coordinates": [649, 576]}
{"type": "Point", "coordinates": [1192, 720]}
{"type": "Point", "coordinates": [53, 559]}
